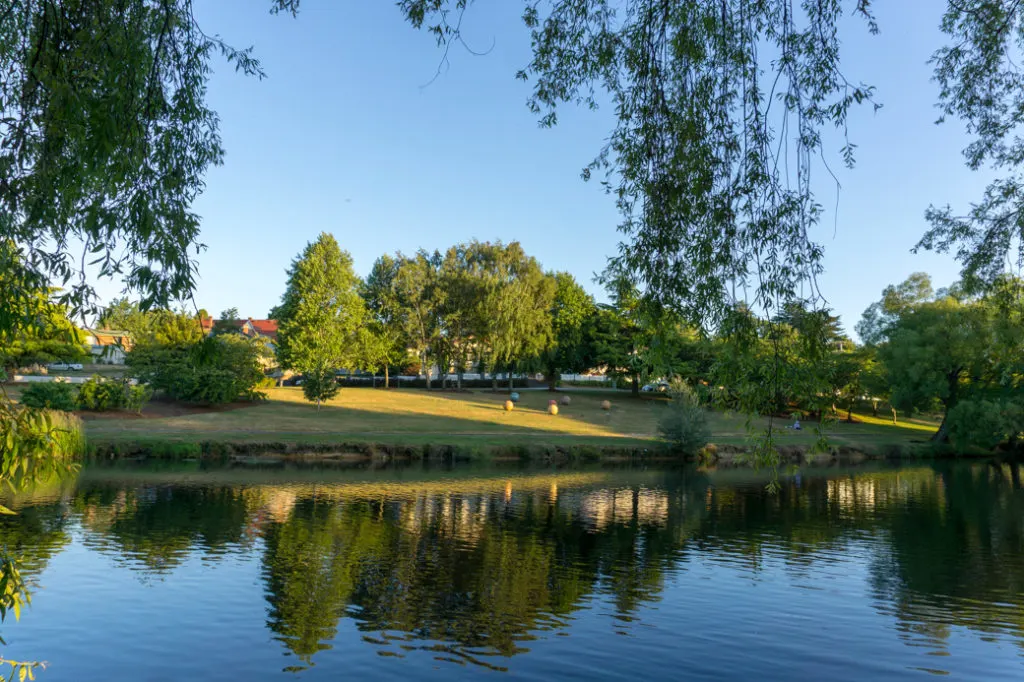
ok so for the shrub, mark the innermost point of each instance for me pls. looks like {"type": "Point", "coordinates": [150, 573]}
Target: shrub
{"type": "Point", "coordinates": [52, 395]}
{"type": "Point", "coordinates": [984, 424]}
{"type": "Point", "coordinates": [38, 441]}
{"type": "Point", "coordinates": [99, 394]}
{"type": "Point", "coordinates": [213, 371]}
{"type": "Point", "coordinates": [685, 423]}
{"type": "Point", "coordinates": [319, 385]}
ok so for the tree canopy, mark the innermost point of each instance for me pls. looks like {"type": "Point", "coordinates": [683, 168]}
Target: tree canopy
{"type": "Point", "coordinates": [320, 315]}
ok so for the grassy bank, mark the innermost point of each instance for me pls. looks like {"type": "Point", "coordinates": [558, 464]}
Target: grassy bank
{"type": "Point", "coordinates": [411, 421]}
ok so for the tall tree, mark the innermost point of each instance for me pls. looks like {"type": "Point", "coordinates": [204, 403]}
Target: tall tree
{"type": "Point", "coordinates": [319, 317]}
{"type": "Point", "coordinates": [457, 297]}
{"type": "Point", "coordinates": [896, 300]}
{"type": "Point", "coordinates": [933, 352]}
{"type": "Point", "coordinates": [513, 300]}
{"type": "Point", "coordinates": [572, 316]}
{"type": "Point", "coordinates": [417, 294]}
{"type": "Point", "coordinates": [384, 340]}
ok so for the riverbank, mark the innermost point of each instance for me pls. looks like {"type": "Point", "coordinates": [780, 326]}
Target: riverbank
{"type": "Point", "coordinates": [419, 424]}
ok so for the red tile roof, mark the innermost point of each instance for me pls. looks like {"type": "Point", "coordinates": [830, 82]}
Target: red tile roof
{"type": "Point", "coordinates": [267, 328]}
{"type": "Point", "coordinates": [264, 327]}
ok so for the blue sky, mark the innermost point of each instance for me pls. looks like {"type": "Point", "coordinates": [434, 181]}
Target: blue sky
{"type": "Point", "coordinates": [344, 136]}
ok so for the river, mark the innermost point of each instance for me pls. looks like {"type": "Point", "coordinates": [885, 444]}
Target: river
{"type": "Point", "coordinates": [194, 572]}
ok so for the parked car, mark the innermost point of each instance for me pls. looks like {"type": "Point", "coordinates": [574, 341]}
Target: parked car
{"type": "Point", "coordinates": [64, 366]}
{"type": "Point", "coordinates": [657, 386]}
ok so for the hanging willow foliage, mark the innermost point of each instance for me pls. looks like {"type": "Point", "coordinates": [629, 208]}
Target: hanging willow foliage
{"type": "Point", "coordinates": [720, 106]}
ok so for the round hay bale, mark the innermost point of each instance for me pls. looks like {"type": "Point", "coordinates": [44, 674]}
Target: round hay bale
{"type": "Point", "coordinates": [606, 405]}
{"type": "Point", "coordinates": [566, 400]}
{"type": "Point", "coordinates": [553, 408]}
{"type": "Point", "coordinates": [514, 397]}
{"type": "Point", "coordinates": [509, 405]}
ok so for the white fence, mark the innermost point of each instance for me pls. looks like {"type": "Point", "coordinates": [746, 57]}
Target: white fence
{"type": "Point", "coordinates": [590, 378]}
{"type": "Point", "coordinates": [37, 379]}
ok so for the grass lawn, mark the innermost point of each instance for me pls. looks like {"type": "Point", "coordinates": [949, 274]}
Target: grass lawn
{"type": "Point", "coordinates": [412, 416]}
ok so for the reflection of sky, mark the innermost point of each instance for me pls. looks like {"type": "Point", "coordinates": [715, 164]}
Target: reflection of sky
{"type": "Point", "coordinates": [721, 612]}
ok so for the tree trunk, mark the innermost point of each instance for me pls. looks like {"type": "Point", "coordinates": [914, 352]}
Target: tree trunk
{"type": "Point", "coordinates": [553, 380]}
{"type": "Point", "coordinates": [953, 379]}
{"type": "Point", "coordinates": [459, 380]}
{"type": "Point", "coordinates": [318, 405]}
{"type": "Point", "coordinates": [874, 408]}
{"type": "Point", "coordinates": [893, 416]}
{"type": "Point", "coordinates": [510, 384]}
{"type": "Point", "coordinates": [494, 382]}
{"type": "Point", "coordinates": [387, 379]}
{"type": "Point", "coordinates": [635, 389]}
{"type": "Point", "coordinates": [426, 368]}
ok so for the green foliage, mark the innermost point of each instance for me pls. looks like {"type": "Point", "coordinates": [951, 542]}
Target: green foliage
{"type": "Point", "coordinates": [40, 330]}
{"type": "Point", "coordinates": [107, 138]}
{"type": "Point", "coordinates": [212, 371]}
{"type": "Point", "coordinates": [321, 312]}
{"type": "Point", "coordinates": [381, 347]}
{"type": "Point", "coordinates": [571, 348]}
{"type": "Point", "coordinates": [979, 84]}
{"type": "Point", "coordinates": [708, 97]}
{"type": "Point", "coordinates": [100, 394]}
{"type": "Point", "coordinates": [320, 384]}
{"type": "Point", "coordinates": [951, 348]}
{"type": "Point", "coordinates": [503, 302]}
{"type": "Point", "coordinates": [227, 323]}
{"type": "Point", "coordinates": [416, 294]}
{"type": "Point", "coordinates": [985, 424]}
{"type": "Point", "coordinates": [896, 301]}
{"type": "Point", "coordinates": [125, 315]}
{"type": "Point", "coordinates": [685, 423]}
{"type": "Point", "coordinates": [51, 395]}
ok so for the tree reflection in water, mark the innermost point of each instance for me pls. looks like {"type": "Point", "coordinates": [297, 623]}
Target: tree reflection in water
{"type": "Point", "coordinates": [472, 570]}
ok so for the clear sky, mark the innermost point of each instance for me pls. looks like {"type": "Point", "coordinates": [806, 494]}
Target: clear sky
{"type": "Point", "coordinates": [345, 136]}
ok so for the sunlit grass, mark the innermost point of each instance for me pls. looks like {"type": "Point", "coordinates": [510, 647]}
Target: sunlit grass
{"type": "Point", "coordinates": [410, 416]}
{"type": "Point", "coordinates": [913, 424]}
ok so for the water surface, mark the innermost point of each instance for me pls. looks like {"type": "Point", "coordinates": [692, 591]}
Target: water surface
{"type": "Point", "coordinates": [184, 572]}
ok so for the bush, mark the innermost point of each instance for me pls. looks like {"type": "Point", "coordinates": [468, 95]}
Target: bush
{"type": "Point", "coordinates": [319, 385]}
{"type": "Point", "coordinates": [984, 424]}
{"type": "Point", "coordinates": [52, 395]}
{"type": "Point", "coordinates": [99, 394]}
{"type": "Point", "coordinates": [213, 371]}
{"type": "Point", "coordinates": [685, 423]}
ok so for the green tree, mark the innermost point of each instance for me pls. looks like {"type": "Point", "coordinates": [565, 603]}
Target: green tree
{"type": "Point", "coordinates": [125, 315]}
{"type": "Point", "coordinates": [896, 301]}
{"type": "Point", "coordinates": [384, 341]}
{"type": "Point", "coordinates": [107, 138]}
{"type": "Point", "coordinates": [634, 339]}
{"type": "Point", "coordinates": [509, 299]}
{"type": "Point", "coordinates": [572, 316]}
{"type": "Point", "coordinates": [319, 317]}
{"type": "Point", "coordinates": [933, 353]}
{"type": "Point", "coordinates": [175, 328]}
{"type": "Point", "coordinates": [417, 294]}
{"type": "Point", "coordinates": [227, 323]}
{"type": "Point", "coordinates": [456, 301]}
{"type": "Point", "coordinates": [381, 347]}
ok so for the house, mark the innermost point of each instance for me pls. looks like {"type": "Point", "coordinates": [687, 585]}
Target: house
{"type": "Point", "coordinates": [253, 329]}
{"type": "Point", "coordinates": [108, 346]}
